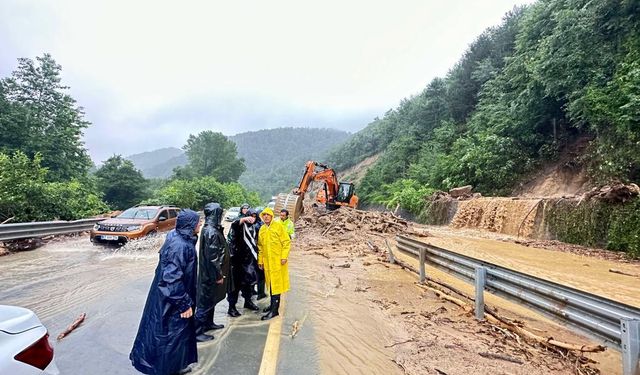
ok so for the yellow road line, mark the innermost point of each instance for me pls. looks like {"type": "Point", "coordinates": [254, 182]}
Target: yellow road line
{"type": "Point", "coordinates": [269, 363]}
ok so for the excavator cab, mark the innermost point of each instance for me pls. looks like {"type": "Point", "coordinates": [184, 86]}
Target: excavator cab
{"type": "Point", "coordinates": [345, 192]}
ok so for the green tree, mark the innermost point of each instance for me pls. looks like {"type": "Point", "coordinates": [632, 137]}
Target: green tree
{"type": "Point", "coordinates": [38, 116]}
{"type": "Point", "coordinates": [212, 154]}
{"type": "Point", "coordinates": [195, 193]}
{"type": "Point", "coordinates": [121, 183]}
{"type": "Point", "coordinates": [25, 194]}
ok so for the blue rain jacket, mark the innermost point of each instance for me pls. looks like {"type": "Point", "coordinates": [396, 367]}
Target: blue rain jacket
{"type": "Point", "coordinates": [166, 343]}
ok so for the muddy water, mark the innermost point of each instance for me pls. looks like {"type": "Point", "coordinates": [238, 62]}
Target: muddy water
{"type": "Point", "coordinates": [581, 272]}
{"type": "Point", "coordinates": [501, 215]}
{"type": "Point", "coordinates": [64, 275]}
{"type": "Point", "coordinates": [350, 336]}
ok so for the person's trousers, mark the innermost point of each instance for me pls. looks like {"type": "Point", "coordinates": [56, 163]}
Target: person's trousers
{"type": "Point", "coordinates": [204, 317]}
{"type": "Point", "coordinates": [261, 283]}
{"type": "Point", "coordinates": [232, 296]}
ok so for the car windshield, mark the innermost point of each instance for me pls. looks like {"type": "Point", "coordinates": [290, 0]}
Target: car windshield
{"type": "Point", "coordinates": [139, 213]}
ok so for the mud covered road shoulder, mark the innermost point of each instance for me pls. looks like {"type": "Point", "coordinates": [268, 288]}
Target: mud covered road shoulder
{"type": "Point", "coordinates": [369, 316]}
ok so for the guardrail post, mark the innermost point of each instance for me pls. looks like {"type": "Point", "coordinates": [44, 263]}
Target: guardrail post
{"type": "Point", "coordinates": [392, 259]}
{"type": "Point", "coordinates": [630, 332]}
{"type": "Point", "coordinates": [481, 279]}
{"type": "Point", "coordinates": [423, 259]}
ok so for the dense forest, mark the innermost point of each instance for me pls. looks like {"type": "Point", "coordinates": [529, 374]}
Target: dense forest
{"type": "Point", "coordinates": [551, 73]}
{"type": "Point", "coordinates": [274, 158]}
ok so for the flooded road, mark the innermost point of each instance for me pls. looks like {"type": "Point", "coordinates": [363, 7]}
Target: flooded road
{"type": "Point", "coordinates": [65, 278]}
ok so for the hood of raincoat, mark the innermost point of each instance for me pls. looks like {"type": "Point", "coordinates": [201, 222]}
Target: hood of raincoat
{"type": "Point", "coordinates": [267, 211]}
{"type": "Point", "coordinates": [186, 223]}
{"type": "Point", "coordinates": [213, 214]}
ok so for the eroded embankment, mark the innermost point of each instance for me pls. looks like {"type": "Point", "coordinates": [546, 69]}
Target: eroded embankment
{"type": "Point", "coordinates": [596, 223]}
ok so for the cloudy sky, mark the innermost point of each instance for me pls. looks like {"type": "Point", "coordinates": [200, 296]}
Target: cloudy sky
{"type": "Point", "coordinates": [149, 73]}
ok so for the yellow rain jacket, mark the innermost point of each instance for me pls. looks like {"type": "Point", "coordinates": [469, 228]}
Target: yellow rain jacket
{"type": "Point", "coordinates": [273, 246]}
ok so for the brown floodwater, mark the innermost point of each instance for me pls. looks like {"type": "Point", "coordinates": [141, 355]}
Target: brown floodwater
{"type": "Point", "coordinates": [350, 336]}
{"type": "Point", "coordinates": [581, 272]}
{"type": "Point", "coordinates": [70, 272]}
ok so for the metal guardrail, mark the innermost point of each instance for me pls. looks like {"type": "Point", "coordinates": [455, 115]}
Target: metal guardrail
{"type": "Point", "coordinates": [20, 231]}
{"type": "Point", "coordinates": [613, 322]}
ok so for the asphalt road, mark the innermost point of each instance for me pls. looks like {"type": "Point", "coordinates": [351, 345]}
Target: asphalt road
{"type": "Point", "coordinates": [63, 279]}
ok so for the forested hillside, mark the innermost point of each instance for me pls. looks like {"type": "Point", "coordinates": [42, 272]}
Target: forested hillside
{"type": "Point", "coordinates": [275, 158]}
{"type": "Point", "coordinates": [549, 74]}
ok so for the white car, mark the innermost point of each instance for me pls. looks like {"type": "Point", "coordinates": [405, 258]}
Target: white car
{"type": "Point", "coordinates": [232, 214]}
{"type": "Point", "coordinates": [24, 344]}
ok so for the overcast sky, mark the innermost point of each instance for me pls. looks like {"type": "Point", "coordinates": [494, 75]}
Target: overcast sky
{"type": "Point", "coordinates": [149, 73]}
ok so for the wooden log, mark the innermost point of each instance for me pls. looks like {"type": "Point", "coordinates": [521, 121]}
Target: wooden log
{"type": "Point", "coordinates": [613, 270]}
{"type": "Point", "coordinates": [500, 321]}
{"type": "Point", "coordinates": [72, 326]}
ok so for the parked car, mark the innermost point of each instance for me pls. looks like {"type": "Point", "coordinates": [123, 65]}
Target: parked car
{"type": "Point", "coordinates": [135, 222]}
{"type": "Point", "coordinates": [232, 214]}
{"type": "Point", "coordinates": [24, 344]}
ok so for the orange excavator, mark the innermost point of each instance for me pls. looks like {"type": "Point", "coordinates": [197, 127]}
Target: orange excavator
{"type": "Point", "coordinates": [333, 194]}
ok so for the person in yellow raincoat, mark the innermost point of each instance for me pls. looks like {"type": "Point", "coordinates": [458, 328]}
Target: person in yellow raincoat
{"type": "Point", "coordinates": [273, 254]}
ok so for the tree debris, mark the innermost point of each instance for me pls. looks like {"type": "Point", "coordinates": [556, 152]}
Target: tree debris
{"type": "Point", "coordinates": [613, 270]}
{"type": "Point", "coordinates": [72, 326]}
{"type": "Point", "coordinates": [502, 357]}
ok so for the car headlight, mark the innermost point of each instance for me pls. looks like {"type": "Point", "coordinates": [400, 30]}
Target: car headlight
{"type": "Point", "coordinates": [132, 228]}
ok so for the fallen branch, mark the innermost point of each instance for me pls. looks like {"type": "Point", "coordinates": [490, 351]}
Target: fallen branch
{"type": "Point", "coordinates": [503, 357]}
{"type": "Point", "coordinates": [8, 220]}
{"type": "Point", "coordinates": [346, 265]}
{"type": "Point", "coordinates": [398, 343]}
{"type": "Point", "coordinates": [501, 321]}
{"type": "Point", "coordinates": [327, 230]}
{"type": "Point", "coordinates": [613, 270]}
{"type": "Point", "coordinates": [465, 306]}
{"type": "Point", "coordinates": [321, 254]}
{"type": "Point", "coordinates": [73, 326]}
{"type": "Point", "coordinates": [295, 329]}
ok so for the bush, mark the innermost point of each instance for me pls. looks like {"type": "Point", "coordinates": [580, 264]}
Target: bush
{"type": "Point", "coordinates": [407, 193]}
{"type": "Point", "coordinates": [26, 196]}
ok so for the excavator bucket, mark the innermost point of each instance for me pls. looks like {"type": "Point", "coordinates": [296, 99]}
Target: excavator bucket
{"type": "Point", "coordinates": [290, 202]}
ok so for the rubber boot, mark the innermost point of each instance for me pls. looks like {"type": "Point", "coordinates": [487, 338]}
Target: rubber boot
{"type": "Point", "coordinates": [248, 304]}
{"type": "Point", "coordinates": [200, 335]}
{"type": "Point", "coordinates": [275, 306]}
{"type": "Point", "coordinates": [233, 312]}
{"type": "Point", "coordinates": [211, 325]}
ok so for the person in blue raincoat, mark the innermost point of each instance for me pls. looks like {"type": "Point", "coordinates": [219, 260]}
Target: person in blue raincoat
{"type": "Point", "coordinates": [166, 339]}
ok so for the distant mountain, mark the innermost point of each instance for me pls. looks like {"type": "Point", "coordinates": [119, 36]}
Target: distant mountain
{"type": "Point", "coordinates": [159, 163]}
{"type": "Point", "coordinates": [274, 157]}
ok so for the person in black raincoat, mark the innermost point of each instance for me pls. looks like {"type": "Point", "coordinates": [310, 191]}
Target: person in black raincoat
{"type": "Point", "coordinates": [261, 282]}
{"type": "Point", "coordinates": [243, 240]}
{"type": "Point", "coordinates": [166, 339]}
{"type": "Point", "coordinates": [213, 271]}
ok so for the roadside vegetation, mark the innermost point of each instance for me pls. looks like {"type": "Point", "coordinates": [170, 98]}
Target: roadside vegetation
{"type": "Point", "coordinates": [45, 168]}
{"type": "Point", "coordinates": [549, 74]}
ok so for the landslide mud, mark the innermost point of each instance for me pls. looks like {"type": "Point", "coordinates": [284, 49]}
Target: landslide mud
{"type": "Point", "coordinates": [371, 313]}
